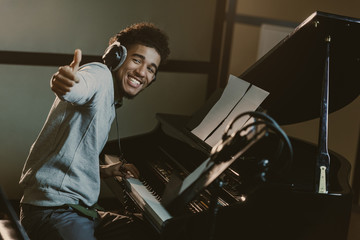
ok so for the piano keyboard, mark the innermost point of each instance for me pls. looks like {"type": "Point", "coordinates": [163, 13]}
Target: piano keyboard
{"type": "Point", "coordinates": [142, 194]}
{"type": "Point", "coordinates": [148, 201]}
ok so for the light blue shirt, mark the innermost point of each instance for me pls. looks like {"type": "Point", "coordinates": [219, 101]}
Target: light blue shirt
{"type": "Point", "coordinates": [63, 163]}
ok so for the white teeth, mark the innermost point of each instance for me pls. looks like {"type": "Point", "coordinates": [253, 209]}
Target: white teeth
{"type": "Point", "coordinates": [133, 80]}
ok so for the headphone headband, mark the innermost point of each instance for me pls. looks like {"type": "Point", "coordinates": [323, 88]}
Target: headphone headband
{"type": "Point", "coordinates": [114, 56]}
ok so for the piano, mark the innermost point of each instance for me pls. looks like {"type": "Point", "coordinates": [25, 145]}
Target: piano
{"type": "Point", "coordinates": [287, 205]}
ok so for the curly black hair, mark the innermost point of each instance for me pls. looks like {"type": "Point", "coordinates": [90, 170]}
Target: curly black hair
{"type": "Point", "coordinates": [146, 34]}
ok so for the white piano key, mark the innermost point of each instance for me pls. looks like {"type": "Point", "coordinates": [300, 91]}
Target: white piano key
{"type": "Point", "coordinates": [147, 201]}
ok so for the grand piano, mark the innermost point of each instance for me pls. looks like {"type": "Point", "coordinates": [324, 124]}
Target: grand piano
{"type": "Point", "coordinates": [285, 205]}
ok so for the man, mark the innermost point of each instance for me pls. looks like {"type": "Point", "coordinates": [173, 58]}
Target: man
{"type": "Point", "coordinates": [61, 176]}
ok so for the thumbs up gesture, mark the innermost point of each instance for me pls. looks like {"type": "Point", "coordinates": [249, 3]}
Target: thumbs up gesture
{"type": "Point", "coordinates": [65, 78]}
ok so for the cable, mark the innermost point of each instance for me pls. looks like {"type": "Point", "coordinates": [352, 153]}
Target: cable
{"type": "Point", "coordinates": [121, 154]}
{"type": "Point", "coordinates": [252, 114]}
{"type": "Point", "coordinates": [126, 199]}
{"type": "Point", "coordinates": [269, 123]}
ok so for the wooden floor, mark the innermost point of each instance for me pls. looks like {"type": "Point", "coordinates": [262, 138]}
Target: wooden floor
{"type": "Point", "coordinates": [354, 227]}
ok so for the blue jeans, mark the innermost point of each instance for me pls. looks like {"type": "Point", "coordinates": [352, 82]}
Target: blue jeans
{"type": "Point", "coordinates": [65, 223]}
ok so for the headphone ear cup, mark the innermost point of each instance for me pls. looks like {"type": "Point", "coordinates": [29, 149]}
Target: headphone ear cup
{"type": "Point", "coordinates": [114, 56]}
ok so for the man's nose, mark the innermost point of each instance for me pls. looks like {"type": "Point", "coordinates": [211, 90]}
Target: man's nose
{"type": "Point", "coordinates": [141, 70]}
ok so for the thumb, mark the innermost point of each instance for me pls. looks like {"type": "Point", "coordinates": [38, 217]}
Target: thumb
{"type": "Point", "coordinates": [76, 61]}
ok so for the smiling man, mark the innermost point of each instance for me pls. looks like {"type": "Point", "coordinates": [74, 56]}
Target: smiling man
{"type": "Point", "coordinates": [139, 70]}
{"type": "Point", "coordinates": [61, 176]}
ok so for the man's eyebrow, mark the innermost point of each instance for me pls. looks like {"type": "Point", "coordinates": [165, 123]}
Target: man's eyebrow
{"type": "Point", "coordinates": [143, 57]}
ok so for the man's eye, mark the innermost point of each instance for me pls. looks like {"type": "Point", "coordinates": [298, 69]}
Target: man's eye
{"type": "Point", "coordinates": [151, 70]}
{"type": "Point", "coordinates": [136, 60]}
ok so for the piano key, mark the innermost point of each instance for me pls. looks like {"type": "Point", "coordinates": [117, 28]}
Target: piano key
{"type": "Point", "coordinates": [147, 201]}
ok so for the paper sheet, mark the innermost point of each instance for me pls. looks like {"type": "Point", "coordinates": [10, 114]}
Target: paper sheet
{"type": "Point", "coordinates": [234, 91]}
{"type": "Point", "coordinates": [238, 97]}
{"type": "Point", "coordinates": [250, 102]}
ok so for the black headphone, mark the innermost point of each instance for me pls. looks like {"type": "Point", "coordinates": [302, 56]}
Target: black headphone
{"type": "Point", "coordinates": [270, 123]}
{"type": "Point", "coordinates": [114, 56]}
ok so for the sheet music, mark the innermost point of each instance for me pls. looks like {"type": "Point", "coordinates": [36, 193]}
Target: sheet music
{"type": "Point", "coordinates": [250, 102]}
{"type": "Point", "coordinates": [238, 97]}
{"type": "Point", "coordinates": [234, 91]}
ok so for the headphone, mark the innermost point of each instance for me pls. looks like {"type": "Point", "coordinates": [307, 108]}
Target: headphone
{"type": "Point", "coordinates": [114, 56]}
{"type": "Point", "coordinates": [270, 124]}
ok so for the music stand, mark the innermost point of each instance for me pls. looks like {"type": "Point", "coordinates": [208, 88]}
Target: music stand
{"type": "Point", "coordinates": [180, 192]}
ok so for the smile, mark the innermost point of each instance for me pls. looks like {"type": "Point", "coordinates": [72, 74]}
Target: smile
{"type": "Point", "coordinates": [134, 82]}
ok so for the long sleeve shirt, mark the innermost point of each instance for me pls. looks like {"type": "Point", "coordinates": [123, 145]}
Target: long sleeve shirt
{"type": "Point", "coordinates": [63, 163]}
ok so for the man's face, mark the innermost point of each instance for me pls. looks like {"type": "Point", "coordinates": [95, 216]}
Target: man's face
{"type": "Point", "coordinates": [138, 70]}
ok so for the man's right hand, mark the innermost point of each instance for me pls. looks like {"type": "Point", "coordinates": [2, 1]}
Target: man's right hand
{"type": "Point", "coordinates": [66, 77]}
{"type": "Point", "coordinates": [126, 170]}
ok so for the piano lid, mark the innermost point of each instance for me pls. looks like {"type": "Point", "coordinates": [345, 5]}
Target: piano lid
{"type": "Point", "coordinates": [293, 70]}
